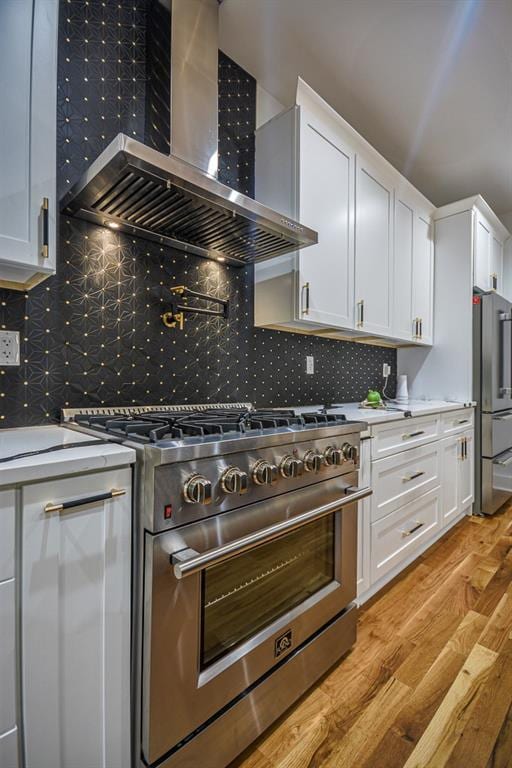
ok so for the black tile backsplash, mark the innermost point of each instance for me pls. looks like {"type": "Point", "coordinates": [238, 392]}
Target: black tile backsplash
{"type": "Point", "coordinates": [92, 335]}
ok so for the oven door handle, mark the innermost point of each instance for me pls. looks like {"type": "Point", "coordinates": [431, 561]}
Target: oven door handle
{"type": "Point", "coordinates": [188, 561]}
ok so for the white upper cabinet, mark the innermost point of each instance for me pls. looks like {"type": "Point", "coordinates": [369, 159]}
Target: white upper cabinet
{"type": "Point", "coordinates": [413, 290]}
{"type": "Point", "coordinates": [370, 274]}
{"type": "Point", "coordinates": [305, 170]}
{"type": "Point", "coordinates": [373, 248]}
{"type": "Point", "coordinates": [402, 280]}
{"type": "Point", "coordinates": [482, 263]}
{"type": "Point", "coordinates": [28, 56]}
{"type": "Point", "coordinates": [423, 279]}
{"type": "Point", "coordinates": [488, 254]}
{"type": "Point", "coordinates": [326, 276]}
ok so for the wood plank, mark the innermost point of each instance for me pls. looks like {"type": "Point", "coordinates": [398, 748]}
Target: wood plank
{"type": "Point", "coordinates": [445, 729]}
{"type": "Point", "coordinates": [501, 755]}
{"type": "Point", "coordinates": [301, 732]}
{"type": "Point", "coordinates": [459, 635]}
{"type": "Point", "coordinates": [458, 595]}
{"type": "Point", "coordinates": [499, 626]}
{"type": "Point", "coordinates": [488, 714]}
{"type": "Point", "coordinates": [251, 758]}
{"type": "Point", "coordinates": [410, 723]}
{"type": "Point", "coordinates": [367, 731]}
{"type": "Point", "coordinates": [496, 588]}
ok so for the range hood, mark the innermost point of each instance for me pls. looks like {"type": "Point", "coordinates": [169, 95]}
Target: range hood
{"type": "Point", "coordinates": [176, 199]}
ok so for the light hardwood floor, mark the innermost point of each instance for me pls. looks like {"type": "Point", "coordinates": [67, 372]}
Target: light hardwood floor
{"type": "Point", "coordinates": [429, 682]}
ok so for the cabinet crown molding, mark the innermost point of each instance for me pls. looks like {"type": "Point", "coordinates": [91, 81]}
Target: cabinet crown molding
{"type": "Point", "coordinates": [470, 203]}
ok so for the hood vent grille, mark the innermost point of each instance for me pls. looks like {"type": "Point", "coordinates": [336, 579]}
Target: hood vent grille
{"type": "Point", "coordinates": [178, 217]}
{"type": "Point", "coordinates": [159, 197]}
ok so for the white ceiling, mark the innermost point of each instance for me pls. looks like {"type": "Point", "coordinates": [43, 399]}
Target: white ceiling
{"type": "Point", "coordinates": [427, 82]}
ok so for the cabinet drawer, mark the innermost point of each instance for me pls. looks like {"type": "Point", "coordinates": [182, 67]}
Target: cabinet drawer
{"type": "Point", "coordinates": [457, 421]}
{"type": "Point", "coordinates": [6, 535]}
{"type": "Point", "coordinates": [401, 478]}
{"type": "Point", "coordinates": [7, 657]}
{"type": "Point", "coordinates": [406, 433]}
{"type": "Point", "coordinates": [395, 537]}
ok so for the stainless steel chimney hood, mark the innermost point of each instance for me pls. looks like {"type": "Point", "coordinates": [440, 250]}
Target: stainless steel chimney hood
{"type": "Point", "coordinates": [176, 199]}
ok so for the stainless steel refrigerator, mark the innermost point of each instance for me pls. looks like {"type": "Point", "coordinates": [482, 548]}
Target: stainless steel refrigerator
{"type": "Point", "coordinates": [492, 390]}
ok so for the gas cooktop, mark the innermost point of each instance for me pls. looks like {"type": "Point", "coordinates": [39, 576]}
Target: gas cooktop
{"type": "Point", "coordinates": [162, 425]}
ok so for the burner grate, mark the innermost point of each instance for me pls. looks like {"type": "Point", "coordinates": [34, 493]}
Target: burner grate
{"type": "Point", "coordinates": [154, 424]}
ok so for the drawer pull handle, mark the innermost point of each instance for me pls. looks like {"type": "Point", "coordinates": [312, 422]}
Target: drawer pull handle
{"type": "Point", "coordinates": [412, 477]}
{"type": "Point", "coordinates": [413, 434]}
{"type": "Point", "coordinates": [416, 527]}
{"type": "Point", "coordinates": [463, 421]}
{"type": "Point", "coordinates": [114, 493]}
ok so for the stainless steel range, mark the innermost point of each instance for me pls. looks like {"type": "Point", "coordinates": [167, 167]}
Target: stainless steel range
{"type": "Point", "coordinates": [245, 568]}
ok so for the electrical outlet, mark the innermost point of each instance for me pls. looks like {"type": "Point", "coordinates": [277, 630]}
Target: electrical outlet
{"type": "Point", "coordinates": [310, 364]}
{"type": "Point", "coordinates": [386, 370]}
{"type": "Point", "coordinates": [9, 348]}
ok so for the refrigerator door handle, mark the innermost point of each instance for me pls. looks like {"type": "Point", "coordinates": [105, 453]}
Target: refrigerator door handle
{"type": "Point", "coordinates": [505, 317]}
{"type": "Point", "coordinates": [503, 462]}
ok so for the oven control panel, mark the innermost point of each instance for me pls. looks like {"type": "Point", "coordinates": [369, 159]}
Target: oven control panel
{"type": "Point", "coordinates": [197, 489]}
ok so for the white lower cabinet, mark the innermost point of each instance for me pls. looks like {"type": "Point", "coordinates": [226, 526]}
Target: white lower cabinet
{"type": "Point", "coordinates": [364, 509]}
{"type": "Point", "coordinates": [401, 478]}
{"type": "Point", "coordinates": [450, 450]}
{"type": "Point", "coordinates": [7, 657]}
{"type": "Point", "coordinates": [422, 476]}
{"type": "Point", "coordinates": [8, 640]}
{"type": "Point", "coordinates": [396, 536]}
{"type": "Point", "coordinates": [467, 473]}
{"type": "Point", "coordinates": [7, 521]}
{"type": "Point", "coordinates": [458, 475]}
{"type": "Point", "coordinates": [389, 439]}
{"type": "Point", "coordinates": [76, 571]}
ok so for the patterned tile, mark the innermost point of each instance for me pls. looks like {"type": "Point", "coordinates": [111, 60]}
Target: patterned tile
{"type": "Point", "coordinates": [92, 335]}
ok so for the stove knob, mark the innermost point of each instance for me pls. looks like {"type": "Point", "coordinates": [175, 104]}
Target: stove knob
{"type": "Point", "coordinates": [291, 467]}
{"type": "Point", "coordinates": [333, 456]}
{"type": "Point", "coordinates": [198, 490]}
{"type": "Point", "coordinates": [234, 480]}
{"type": "Point", "coordinates": [313, 461]}
{"type": "Point", "coordinates": [264, 473]}
{"type": "Point", "coordinates": [350, 452]}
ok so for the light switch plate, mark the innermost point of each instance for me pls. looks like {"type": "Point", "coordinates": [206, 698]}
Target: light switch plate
{"type": "Point", "coordinates": [9, 348]}
{"type": "Point", "coordinates": [310, 364]}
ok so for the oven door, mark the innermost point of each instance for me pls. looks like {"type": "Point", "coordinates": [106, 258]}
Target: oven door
{"type": "Point", "coordinates": [228, 598]}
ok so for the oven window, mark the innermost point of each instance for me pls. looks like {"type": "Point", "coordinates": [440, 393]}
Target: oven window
{"type": "Point", "coordinates": [247, 593]}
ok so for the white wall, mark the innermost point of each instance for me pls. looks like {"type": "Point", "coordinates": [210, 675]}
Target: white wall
{"type": "Point", "coordinates": [267, 106]}
{"type": "Point", "coordinates": [506, 218]}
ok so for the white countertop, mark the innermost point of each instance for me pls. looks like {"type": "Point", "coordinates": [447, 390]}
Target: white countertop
{"type": "Point", "coordinates": [354, 412]}
{"type": "Point", "coordinates": [67, 461]}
